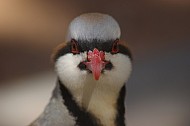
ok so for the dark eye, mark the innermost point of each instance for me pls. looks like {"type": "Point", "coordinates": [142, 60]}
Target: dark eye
{"type": "Point", "coordinates": [74, 47]}
{"type": "Point", "coordinates": [115, 46]}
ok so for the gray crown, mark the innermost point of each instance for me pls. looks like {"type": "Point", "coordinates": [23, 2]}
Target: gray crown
{"type": "Point", "coordinates": [94, 26]}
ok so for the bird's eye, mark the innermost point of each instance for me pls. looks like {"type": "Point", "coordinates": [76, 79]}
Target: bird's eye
{"type": "Point", "coordinates": [74, 47]}
{"type": "Point", "coordinates": [115, 46]}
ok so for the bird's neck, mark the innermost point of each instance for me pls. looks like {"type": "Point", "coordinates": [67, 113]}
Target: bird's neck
{"type": "Point", "coordinates": [98, 104]}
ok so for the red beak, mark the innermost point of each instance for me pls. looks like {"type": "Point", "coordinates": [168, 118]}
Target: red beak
{"type": "Point", "coordinates": [95, 62]}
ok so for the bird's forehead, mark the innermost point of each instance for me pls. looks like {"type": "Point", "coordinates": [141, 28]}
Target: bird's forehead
{"type": "Point", "coordinates": [93, 26]}
{"type": "Point", "coordinates": [85, 45]}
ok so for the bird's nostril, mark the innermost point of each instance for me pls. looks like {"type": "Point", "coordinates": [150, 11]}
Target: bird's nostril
{"type": "Point", "coordinates": [109, 66]}
{"type": "Point", "coordinates": [82, 66]}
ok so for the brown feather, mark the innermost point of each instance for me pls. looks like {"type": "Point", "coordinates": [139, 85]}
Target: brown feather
{"type": "Point", "coordinates": [56, 50]}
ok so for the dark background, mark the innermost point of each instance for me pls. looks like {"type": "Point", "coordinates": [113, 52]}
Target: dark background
{"type": "Point", "coordinates": [157, 32]}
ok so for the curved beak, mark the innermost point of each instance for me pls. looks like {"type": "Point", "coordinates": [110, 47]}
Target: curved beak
{"type": "Point", "coordinates": [95, 62]}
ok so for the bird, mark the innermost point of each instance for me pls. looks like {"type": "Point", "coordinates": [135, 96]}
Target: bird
{"type": "Point", "coordinates": [92, 67]}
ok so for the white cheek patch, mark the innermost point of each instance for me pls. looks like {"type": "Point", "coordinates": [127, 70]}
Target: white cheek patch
{"type": "Point", "coordinates": [121, 69]}
{"type": "Point", "coordinates": [68, 71]}
{"type": "Point", "coordinates": [74, 79]}
{"type": "Point", "coordinates": [98, 97]}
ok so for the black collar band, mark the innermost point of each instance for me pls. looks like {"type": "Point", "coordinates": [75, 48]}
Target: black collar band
{"type": "Point", "coordinates": [84, 118]}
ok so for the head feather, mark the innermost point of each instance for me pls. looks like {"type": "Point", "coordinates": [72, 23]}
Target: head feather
{"type": "Point", "coordinates": [93, 26]}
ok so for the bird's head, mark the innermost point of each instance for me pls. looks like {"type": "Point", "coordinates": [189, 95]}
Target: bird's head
{"type": "Point", "coordinates": [93, 53]}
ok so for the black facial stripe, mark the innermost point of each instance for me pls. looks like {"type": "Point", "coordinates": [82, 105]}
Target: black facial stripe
{"type": "Point", "coordinates": [82, 66]}
{"type": "Point", "coordinates": [90, 45]}
{"type": "Point", "coordinates": [120, 118]}
{"type": "Point", "coordinates": [63, 51]}
{"type": "Point", "coordinates": [108, 66]}
{"type": "Point", "coordinates": [125, 50]}
{"type": "Point", "coordinates": [95, 43]}
{"type": "Point", "coordinates": [83, 118]}
{"type": "Point", "coordinates": [102, 45]}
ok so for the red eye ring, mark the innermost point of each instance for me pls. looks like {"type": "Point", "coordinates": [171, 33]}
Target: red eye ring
{"type": "Point", "coordinates": [115, 46]}
{"type": "Point", "coordinates": [74, 46]}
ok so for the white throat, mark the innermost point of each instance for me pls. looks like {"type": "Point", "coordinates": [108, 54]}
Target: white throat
{"type": "Point", "coordinates": [98, 97]}
{"type": "Point", "coordinates": [101, 100]}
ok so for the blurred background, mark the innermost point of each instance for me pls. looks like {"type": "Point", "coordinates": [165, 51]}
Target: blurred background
{"type": "Point", "coordinates": [157, 32]}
